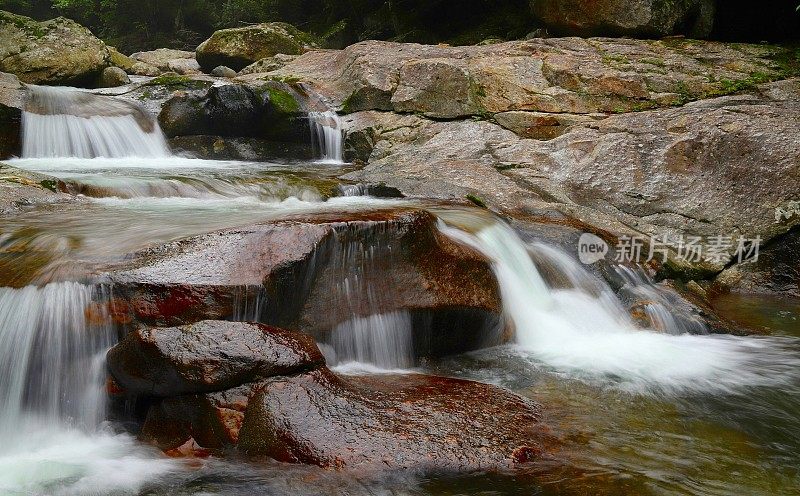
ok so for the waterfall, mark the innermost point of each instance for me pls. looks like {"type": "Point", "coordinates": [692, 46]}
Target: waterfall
{"type": "Point", "coordinates": [49, 353]}
{"type": "Point", "coordinates": [385, 340]}
{"type": "Point", "coordinates": [359, 263]}
{"type": "Point", "coordinates": [66, 122]}
{"type": "Point", "coordinates": [326, 136]}
{"type": "Point", "coordinates": [579, 326]}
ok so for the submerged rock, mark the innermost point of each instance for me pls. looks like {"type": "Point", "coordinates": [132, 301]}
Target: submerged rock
{"type": "Point", "coordinates": [390, 422]}
{"type": "Point", "coordinates": [643, 18]}
{"type": "Point", "coordinates": [208, 356]}
{"type": "Point", "coordinates": [240, 47]}
{"type": "Point", "coordinates": [58, 51]}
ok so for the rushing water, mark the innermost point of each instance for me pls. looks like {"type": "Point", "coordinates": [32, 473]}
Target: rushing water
{"type": "Point", "coordinates": [64, 122]}
{"type": "Point", "coordinates": [665, 409]}
{"type": "Point", "coordinates": [326, 136]}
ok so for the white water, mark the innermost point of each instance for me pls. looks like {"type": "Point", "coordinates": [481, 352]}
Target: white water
{"type": "Point", "coordinates": [326, 136]}
{"type": "Point", "coordinates": [383, 340]}
{"type": "Point", "coordinates": [584, 332]}
{"type": "Point", "coordinates": [66, 122]}
{"type": "Point", "coordinates": [53, 399]}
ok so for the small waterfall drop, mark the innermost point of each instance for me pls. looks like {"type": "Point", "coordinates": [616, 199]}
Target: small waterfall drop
{"type": "Point", "coordinates": [48, 357]}
{"type": "Point", "coordinates": [66, 122]}
{"type": "Point", "coordinates": [326, 136]}
{"type": "Point", "coordinates": [581, 327]}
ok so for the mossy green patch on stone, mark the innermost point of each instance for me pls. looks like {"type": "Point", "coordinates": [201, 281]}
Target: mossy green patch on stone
{"type": "Point", "coordinates": [283, 101]}
{"type": "Point", "coordinates": [476, 200]}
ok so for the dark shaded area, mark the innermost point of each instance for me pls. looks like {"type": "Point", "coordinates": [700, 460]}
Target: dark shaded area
{"type": "Point", "coordinates": [746, 20]}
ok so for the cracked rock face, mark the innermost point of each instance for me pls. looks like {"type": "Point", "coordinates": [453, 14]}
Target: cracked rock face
{"type": "Point", "coordinates": [556, 75]}
{"type": "Point", "coordinates": [717, 166]}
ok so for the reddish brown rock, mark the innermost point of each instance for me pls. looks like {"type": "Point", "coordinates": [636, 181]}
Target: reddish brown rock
{"type": "Point", "coordinates": [312, 273]}
{"type": "Point", "coordinates": [390, 422]}
{"type": "Point", "coordinates": [212, 420]}
{"type": "Point", "coordinates": [207, 357]}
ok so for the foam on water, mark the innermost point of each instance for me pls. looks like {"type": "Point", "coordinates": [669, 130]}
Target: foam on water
{"type": "Point", "coordinates": [586, 334]}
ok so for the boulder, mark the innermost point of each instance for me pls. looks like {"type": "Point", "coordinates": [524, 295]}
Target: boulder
{"type": "Point", "coordinates": [112, 77]}
{"type": "Point", "coordinates": [161, 58]}
{"type": "Point", "coordinates": [122, 61]}
{"type": "Point", "coordinates": [268, 64]}
{"type": "Point", "coordinates": [269, 111]}
{"type": "Point", "coordinates": [143, 69]}
{"type": "Point", "coordinates": [240, 47]}
{"type": "Point", "coordinates": [58, 51]}
{"type": "Point", "coordinates": [289, 274]}
{"type": "Point", "coordinates": [776, 271]}
{"type": "Point", "coordinates": [720, 166]}
{"type": "Point", "coordinates": [416, 422]}
{"type": "Point", "coordinates": [208, 356]}
{"type": "Point", "coordinates": [647, 18]}
{"type": "Point", "coordinates": [555, 75]}
{"type": "Point", "coordinates": [222, 71]}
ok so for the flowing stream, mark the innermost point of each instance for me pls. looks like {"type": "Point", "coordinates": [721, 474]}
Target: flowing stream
{"type": "Point", "coordinates": [637, 411]}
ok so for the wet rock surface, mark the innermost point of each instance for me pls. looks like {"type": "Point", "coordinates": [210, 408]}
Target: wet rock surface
{"type": "Point", "coordinates": [293, 274]}
{"type": "Point", "coordinates": [58, 51]}
{"type": "Point", "coordinates": [208, 356]}
{"type": "Point", "coordinates": [390, 422]}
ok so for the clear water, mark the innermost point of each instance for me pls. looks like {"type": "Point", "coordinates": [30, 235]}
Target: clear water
{"type": "Point", "coordinates": [629, 411]}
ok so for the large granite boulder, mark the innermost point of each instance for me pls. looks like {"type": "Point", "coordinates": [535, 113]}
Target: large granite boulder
{"type": "Point", "coordinates": [417, 422]}
{"type": "Point", "coordinates": [721, 166]}
{"type": "Point", "coordinates": [647, 18]}
{"type": "Point", "coordinates": [58, 51]}
{"type": "Point", "coordinates": [555, 76]}
{"type": "Point", "coordinates": [239, 47]}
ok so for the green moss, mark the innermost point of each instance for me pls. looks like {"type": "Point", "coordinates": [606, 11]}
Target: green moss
{"type": "Point", "coordinates": [283, 101]}
{"type": "Point", "coordinates": [49, 184]}
{"type": "Point", "coordinates": [653, 61]}
{"type": "Point", "coordinates": [176, 80]}
{"type": "Point", "coordinates": [26, 24]}
{"type": "Point", "coordinates": [476, 200]}
{"type": "Point", "coordinates": [684, 94]}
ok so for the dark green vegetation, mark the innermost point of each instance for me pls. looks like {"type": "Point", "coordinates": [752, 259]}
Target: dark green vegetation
{"type": "Point", "coordinates": [134, 25]}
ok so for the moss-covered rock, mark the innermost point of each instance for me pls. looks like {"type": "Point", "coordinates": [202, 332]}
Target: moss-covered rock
{"type": "Point", "coordinates": [240, 47]}
{"type": "Point", "coordinates": [58, 51]}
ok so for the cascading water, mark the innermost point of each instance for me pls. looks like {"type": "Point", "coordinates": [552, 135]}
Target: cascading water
{"type": "Point", "coordinates": [66, 122]}
{"type": "Point", "coordinates": [326, 136]}
{"type": "Point", "coordinates": [582, 329]}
